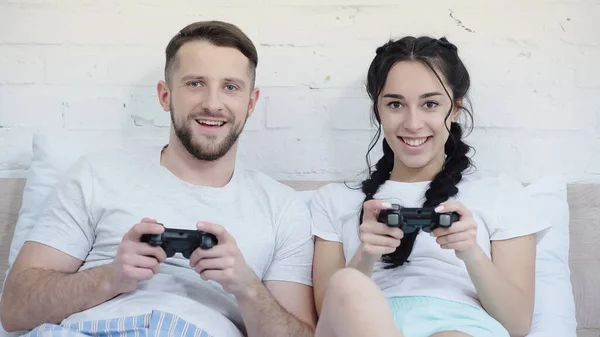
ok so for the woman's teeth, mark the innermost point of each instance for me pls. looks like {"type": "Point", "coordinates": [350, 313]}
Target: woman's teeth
{"type": "Point", "coordinates": [415, 141]}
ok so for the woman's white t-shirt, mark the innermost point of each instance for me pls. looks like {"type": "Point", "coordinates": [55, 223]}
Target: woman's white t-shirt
{"type": "Point", "coordinates": [500, 206]}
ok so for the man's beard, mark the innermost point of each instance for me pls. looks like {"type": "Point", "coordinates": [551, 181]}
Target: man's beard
{"type": "Point", "coordinates": [205, 152]}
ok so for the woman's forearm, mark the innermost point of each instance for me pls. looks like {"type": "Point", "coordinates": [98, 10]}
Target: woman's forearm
{"type": "Point", "coordinates": [503, 300]}
{"type": "Point", "coordinates": [363, 262]}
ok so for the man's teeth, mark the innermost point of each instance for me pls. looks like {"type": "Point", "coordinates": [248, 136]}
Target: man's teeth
{"type": "Point", "coordinates": [414, 142]}
{"type": "Point", "coordinates": [211, 123]}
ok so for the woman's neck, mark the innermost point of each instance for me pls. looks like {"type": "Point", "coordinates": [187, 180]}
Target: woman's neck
{"type": "Point", "coordinates": [403, 173]}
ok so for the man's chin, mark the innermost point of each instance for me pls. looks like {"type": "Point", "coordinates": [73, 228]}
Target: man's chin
{"type": "Point", "coordinates": [207, 156]}
{"type": "Point", "coordinates": [209, 151]}
{"type": "Point", "coordinates": [207, 146]}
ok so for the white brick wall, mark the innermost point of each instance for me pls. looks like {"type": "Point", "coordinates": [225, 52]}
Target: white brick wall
{"type": "Point", "coordinates": [85, 64]}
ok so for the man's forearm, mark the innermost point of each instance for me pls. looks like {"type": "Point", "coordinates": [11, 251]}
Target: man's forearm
{"type": "Point", "coordinates": [508, 304]}
{"type": "Point", "coordinates": [264, 317]}
{"type": "Point", "coordinates": [36, 296]}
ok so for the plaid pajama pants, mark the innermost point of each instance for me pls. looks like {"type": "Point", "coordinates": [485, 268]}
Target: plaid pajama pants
{"type": "Point", "coordinates": [155, 324]}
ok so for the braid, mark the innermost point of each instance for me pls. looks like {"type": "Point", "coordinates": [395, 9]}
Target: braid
{"type": "Point", "coordinates": [441, 188]}
{"type": "Point", "coordinates": [382, 172]}
{"type": "Point", "coordinates": [444, 184]}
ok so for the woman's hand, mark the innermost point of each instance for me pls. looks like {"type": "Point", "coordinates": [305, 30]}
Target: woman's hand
{"type": "Point", "coordinates": [377, 238]}
{"type": "Point", "coordinates": [462, 235]}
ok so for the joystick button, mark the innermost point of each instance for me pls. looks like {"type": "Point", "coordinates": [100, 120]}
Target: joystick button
{"type": "Point", "coordinates": [393, 220]}
{"type": "Point", "coordinates": [445, 220]}
{"type": "Point", "coordinates": [207, 242]}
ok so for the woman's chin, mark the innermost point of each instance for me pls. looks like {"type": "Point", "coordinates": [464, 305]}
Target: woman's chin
{"type": "Point", "coordinates": [415, 162]}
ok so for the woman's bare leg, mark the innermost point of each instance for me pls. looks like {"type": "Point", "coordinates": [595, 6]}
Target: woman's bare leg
{"type": "Point", "coordinates": [355, 307]}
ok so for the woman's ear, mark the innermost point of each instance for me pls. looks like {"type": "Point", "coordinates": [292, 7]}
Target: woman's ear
{"type": "Point", "coordinates": [457, 110]}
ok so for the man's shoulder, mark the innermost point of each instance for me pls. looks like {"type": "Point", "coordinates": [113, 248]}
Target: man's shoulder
{"type": "Point", "coordinates": [261, 183]}
{"type": "Point", "coordinates": [122, 157]}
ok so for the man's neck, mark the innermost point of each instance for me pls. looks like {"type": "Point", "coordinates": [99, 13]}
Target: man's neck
{"type": "Point", "coordinates": [188, 168]}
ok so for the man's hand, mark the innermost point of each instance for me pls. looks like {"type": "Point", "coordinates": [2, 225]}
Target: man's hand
{"type": "Point", "coordinates": [137, 261]}
{"type": "Point", "coordinates": [224, 263]}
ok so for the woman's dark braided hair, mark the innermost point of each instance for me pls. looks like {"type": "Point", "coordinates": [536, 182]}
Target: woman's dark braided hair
{"type": "Point", "coordinates": [444, 56]}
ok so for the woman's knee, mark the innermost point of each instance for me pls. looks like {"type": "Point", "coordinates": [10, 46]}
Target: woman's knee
{"type": "Point", "coordinates": [347, 279]}
{"type": "Point", "coordinates": [348, 284]}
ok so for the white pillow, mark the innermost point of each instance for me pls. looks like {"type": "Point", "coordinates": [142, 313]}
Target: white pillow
{"type": "Point", "coordinates": [54, 152]}
{"type": "Point", "coordinates": [554, 312]}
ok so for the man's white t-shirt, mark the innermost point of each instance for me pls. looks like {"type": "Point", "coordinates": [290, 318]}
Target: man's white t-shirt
{"type": "Point", "coordinates": [107, 193]}
{"type": "Point", "coordinates": [500, 207]}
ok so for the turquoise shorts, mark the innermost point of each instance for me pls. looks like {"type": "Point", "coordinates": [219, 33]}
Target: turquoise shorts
{"type": "Point", "coordinates": [422, 316]}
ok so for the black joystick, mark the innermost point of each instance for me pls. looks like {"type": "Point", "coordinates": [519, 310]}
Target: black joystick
{"type": "Point", "coordinates": [413, 219]}
{"type": "Point", "coordinates": [181, 241]}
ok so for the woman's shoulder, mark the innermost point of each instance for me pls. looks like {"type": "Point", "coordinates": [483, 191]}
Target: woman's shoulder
{"type": "Point", "coordinates": [494, 194]}
{"type": "Point", "coordinates": [343, 192]}
{"type": "Point", "coordinates": [490, 183]}
{"type": "Point", "coordinates": [338, 198]}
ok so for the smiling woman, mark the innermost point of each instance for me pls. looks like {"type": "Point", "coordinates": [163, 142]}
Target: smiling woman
{"type": "Point", "coordinates": [446, 283]}
{"type": "Point", "coordinates": [423, 141]}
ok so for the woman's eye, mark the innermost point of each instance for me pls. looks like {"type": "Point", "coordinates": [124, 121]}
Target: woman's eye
{"type": "Point", "coordinates": [431, 105]}
{"type": "Point", "coordinates": [395, 105]}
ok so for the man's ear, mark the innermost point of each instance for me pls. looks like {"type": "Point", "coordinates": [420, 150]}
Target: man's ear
{"type": "Point", "coordinates": [253, 100]}
{"type": "Point", "coordinates": [164, 95]}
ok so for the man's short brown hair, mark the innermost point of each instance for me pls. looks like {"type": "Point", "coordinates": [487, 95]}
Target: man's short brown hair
{"type": "Point", "coordinates": [218, 33]}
